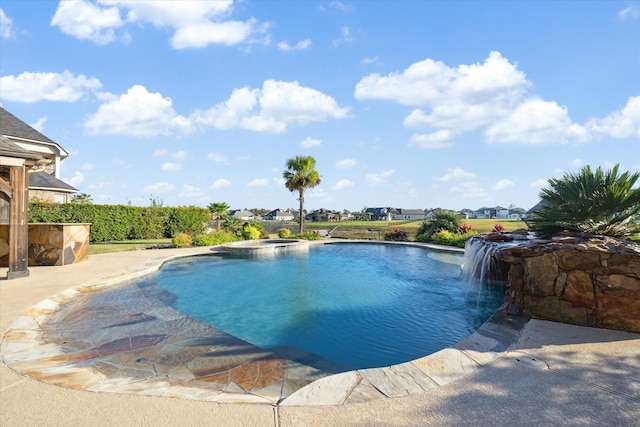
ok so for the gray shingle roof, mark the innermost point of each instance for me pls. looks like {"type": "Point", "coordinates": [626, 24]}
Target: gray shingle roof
{"type": "Point", "coordinates": [10, 125]}
{"type": "Point", "coordinates": [9, 149]}
{"type": "Point", "coordinates": [45, 181]}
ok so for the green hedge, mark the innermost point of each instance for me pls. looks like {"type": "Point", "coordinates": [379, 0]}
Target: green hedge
{"type": "Point", "coordinates": [118, 222]}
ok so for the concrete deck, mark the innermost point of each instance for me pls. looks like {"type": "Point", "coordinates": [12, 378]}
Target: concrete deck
{"type": "Point", "coordinates": [553, 374]}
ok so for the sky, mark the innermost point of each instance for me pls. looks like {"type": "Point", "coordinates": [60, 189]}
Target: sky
{"type": "Point", "coordinates": [404, 104]}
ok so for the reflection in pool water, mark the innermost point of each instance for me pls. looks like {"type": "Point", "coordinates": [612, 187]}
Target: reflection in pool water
{"type": "Point", "coordinates": [356, 305]}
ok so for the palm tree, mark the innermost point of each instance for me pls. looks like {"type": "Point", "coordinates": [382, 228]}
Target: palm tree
{"type": "Point", "coordinates": [590, 202]}
{"type": "Point", "coordinates": [219, 211]}
{"type": "Point", "coordinates": [300, 175]}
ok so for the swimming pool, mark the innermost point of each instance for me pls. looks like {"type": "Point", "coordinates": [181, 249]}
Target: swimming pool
{"type": "Point", "coordinates": [351, 305]}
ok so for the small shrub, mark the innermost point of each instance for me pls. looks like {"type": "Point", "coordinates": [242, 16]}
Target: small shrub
{"type": "Point", "coordinates": [442, 237]}
{"type": "Point", "coordinates": [307, 235]}
{"type": "Point", "coordinates": [214, 238]}
{"type": "Point", "coordinates": [424, 238]}
{"type": "Point", "coordinates": [498, 228]}
{"type": "Point", "coordinates": [283, 233]}
{"type": "Point", "coordinates": [264, 234]}
{"type": "Point", "coordinates": [396, 235]}
{"type": "Point", "coordinates": [447, 238]}
{"type": "Point", "coordinates": [181, 240]}
{"type": "Point", "coordinates": [250, 233]}
{"type": "Point", "coordinates": [464, 228]}
{"type": "Point", "coordinates": [441, 220]}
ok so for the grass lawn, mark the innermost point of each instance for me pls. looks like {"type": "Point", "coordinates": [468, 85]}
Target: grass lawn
{"type": "Point", "coordinates": [376, 229]}
{"type": "Point", "coordinates": [127, 245]}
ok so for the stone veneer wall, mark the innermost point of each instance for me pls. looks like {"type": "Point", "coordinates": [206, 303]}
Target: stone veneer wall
{"type": "Point", "coordinates": [583, 281]}
{"type": "Point", "coordinates": [50, 244]}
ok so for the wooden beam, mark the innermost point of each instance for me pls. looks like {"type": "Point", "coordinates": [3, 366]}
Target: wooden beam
{"type": "Point", "coordinates": [5, 187]}
{"type": "Point", "coordinates": [18, 226]}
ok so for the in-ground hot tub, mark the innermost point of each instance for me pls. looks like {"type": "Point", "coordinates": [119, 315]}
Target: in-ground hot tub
{"type": "Point", "coordinates": [266, 247]}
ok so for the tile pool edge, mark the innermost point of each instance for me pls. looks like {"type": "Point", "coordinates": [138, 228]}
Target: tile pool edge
{"type": "Point", "coordinates": [22, 346]}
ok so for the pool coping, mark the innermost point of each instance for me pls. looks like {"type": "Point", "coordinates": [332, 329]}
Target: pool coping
{"type": "Point", "coordinates": [25, 353]}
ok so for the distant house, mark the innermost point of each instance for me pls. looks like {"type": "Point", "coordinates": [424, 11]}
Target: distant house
{"type": "Point", "coordinates": [46, 187]}
{"type": "Point", "coordinates": [380, 214]}
{"type": "Point", "coordinates": [494, 213]}
{"type": "Point", "coordinates": [409, 214]}
{"type": "Point", "coordinates": [323, 215]}
{"type": "Point", "coordinates": [540, 204]}
{"type": "Point", "coordinates": [243, 215]}
{"type": "Point", "coordinates": [279, 215]}
{"type": "Point", "coordinates": [44, 176]}
{"type": "Point", "coordinates": [502, 213]}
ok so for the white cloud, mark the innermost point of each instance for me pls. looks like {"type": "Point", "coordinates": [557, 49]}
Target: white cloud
{"type": "Point", "coordinates": [343, 184]}
{"type": "Point", "coordinates": [624, 123]}
{"type": "Point", "coordinates": [171, 167]}
{"type": "Point", "coordinates": [439, 139]}
{"type": "Point", "coordinates": [576, 163]}
{"type": "Point", "coordinates": [469, 190]}
{"type": "Point", "coordinates": [159, 188]}
{"type": "Point", "coordinates": [6, 25]}
{"type": "Point", "coordinates": [39, 125]}
{"type": "Point", "coordinates": [463, 184]}
{"type": "Point", "coordinates": [345, 37]}
{"type": "Point", "coordinates": [346, 164]}
{"type": "Point", "coordinates": [537, 122]}
{"type": "Point", "coordinates": [539, 183]}
{"type": "Point", "coordinates": [301, 45]}
{"type": "Point", "coordinates": [60, 87]}
{"type": "Point", "coordinates": [378, 179]}
{"type": "Point", "coordinates": [272, 109]}
{"type": "Point", "coordinates": [343, 7]}
{"type": "Point", "coordinates": [160, 152]}
{"type": "Point", "coordinates": [310, 143]}
{"type": "Point", "coordinates": [77, 178]}
{"type": "Point", "coordinates": [86, 21]}
{"type": "Point", "coordinates": [630, 12]}
{"type": "Point", "coordinates": [88, 166]}
{"type": "Point", "coordinates": [318, 195]}
{"type": "Point", "coordinates": [370, 60]}
{"type": "Point", "coordinates": [258, 182]}
{"type": "Point", "coordinates": [190, 192]}
{"type": "Point", "coordinates": [137, 113]}
{"type": "Point", "coordinates": [456, 174]}
{"type": "Point", "coordinates": [462, 98]}
{"type": "Point", "coordinates": [218, 158]}
{"type": "Point", "coordinates": [196, 24]}
{"type": "Point", "coordinates": [220, 183]}
{"type": "Point", "coordinates": [180, 155]}
{"type": "Point", "coordinates": [503, 184]}
{"type": "Point", "coordinates": [202, 34]}
{"type": "Point", "coordinates": [492, 95]}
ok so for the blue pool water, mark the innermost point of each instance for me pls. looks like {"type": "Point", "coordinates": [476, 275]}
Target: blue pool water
{"type": "Point", "coordinates": [356, 305]}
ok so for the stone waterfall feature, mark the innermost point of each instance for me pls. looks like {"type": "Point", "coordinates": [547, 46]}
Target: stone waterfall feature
{"type": "Point", "coordinates": [589, 281]}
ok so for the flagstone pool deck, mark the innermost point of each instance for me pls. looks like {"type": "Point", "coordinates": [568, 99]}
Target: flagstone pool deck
{"type": "Point", "coordinates": [509, 372]}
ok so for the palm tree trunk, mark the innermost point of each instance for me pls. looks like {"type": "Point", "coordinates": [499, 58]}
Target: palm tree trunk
{"type": "Point", "coordinates": [301, 198]}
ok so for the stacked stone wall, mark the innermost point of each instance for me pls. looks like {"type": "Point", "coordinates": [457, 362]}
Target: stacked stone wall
{"type": "Point", "coordinates": [50, 244]}
{"type": "Point", "coordinates": [583, 281]}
